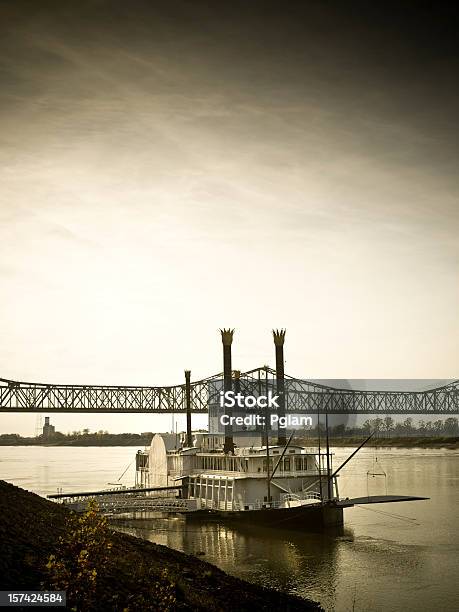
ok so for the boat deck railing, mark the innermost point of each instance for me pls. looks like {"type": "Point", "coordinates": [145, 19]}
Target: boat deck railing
{"type": "Point", "coordinates": [309, 495]}
{"type": "Point", "coordinates": [139, 504]}
{"type": "Point", "coordinates": [282, 503]}
{"type": "Point", "coordinates": [261, 474]}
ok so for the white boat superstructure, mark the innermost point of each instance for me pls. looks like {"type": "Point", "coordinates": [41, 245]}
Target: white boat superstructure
{"type": "Point", "coordinates": [251, 478]}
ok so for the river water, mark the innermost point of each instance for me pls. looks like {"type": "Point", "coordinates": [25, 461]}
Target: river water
{"type": "Point", "coordinates": [391, 557]}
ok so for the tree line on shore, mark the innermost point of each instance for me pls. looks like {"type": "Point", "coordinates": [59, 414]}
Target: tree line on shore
{"type": "Point", "coordinates": [388, 427]}
{"type": "Point", "coordinates": [80, 438]}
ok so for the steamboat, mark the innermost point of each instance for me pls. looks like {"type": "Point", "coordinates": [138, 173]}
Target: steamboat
{"type": "Point", "coordinates": [263, 484]}
{"type": "Point", "coordinates": [287, 486]}
{"type": "Point", "coordinates": [250, 479]}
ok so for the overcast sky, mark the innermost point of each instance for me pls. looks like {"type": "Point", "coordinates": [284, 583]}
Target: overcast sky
{"type": "Point", "coordinates": [169, 168]}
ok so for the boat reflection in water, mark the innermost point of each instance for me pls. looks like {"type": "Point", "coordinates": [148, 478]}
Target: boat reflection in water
{"type": "Point", "coordinates": [338, 568]}
{"type": "Point", "coordinates": [294, 561]}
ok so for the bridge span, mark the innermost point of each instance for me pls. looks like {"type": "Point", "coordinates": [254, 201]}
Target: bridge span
{"type": "Point", "coordinates": [300, 395]}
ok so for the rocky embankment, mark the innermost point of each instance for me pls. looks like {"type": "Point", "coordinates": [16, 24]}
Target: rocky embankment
{"type": "Point", "coordinates": [30, 527]}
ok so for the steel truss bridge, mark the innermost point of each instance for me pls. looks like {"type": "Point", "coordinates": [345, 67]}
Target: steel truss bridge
{"type": "Point", "coordinates": [300, 396]}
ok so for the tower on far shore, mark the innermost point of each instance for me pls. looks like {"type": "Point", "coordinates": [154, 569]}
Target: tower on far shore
{"type": "Point", "coordinates": [48, 429]}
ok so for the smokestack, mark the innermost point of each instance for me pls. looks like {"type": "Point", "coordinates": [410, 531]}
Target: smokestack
{"type": "Point", "coordinates": [189, 441]}
{"type": "Point", "coordinates": [227, 340]}
{"type": "Point", "coordinates": [279, 338]}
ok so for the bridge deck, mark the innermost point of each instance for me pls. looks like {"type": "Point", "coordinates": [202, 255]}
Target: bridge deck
{"type": "Point", "coordinates": [301, 396]}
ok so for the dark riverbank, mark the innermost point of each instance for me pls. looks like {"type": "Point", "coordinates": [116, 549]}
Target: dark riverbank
{"type": "Point", "coordinates": [30, 527]}
{"type": "Point", "coordinates": [139, 440]}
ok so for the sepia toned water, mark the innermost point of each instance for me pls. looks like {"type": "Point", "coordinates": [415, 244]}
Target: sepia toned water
{"type": "Point", "coordinates": [391, 557]}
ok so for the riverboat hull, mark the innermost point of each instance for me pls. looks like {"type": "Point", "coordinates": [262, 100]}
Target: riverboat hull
{"type": "Point", "coordinates": [311, 517]}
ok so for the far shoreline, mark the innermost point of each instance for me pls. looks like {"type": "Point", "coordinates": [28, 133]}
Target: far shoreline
{"type": "Point", "coordinates": [401, 442]}
{"type": "Point", "coordinates": [448, 443]}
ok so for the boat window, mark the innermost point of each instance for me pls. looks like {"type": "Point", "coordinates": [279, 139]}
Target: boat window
{"type": "Point", "coordinates": [291, 450]}
{"type": "Point", "coordinates": [287, 465]}
{"type": "Point", "coordinates": [265, 465]}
